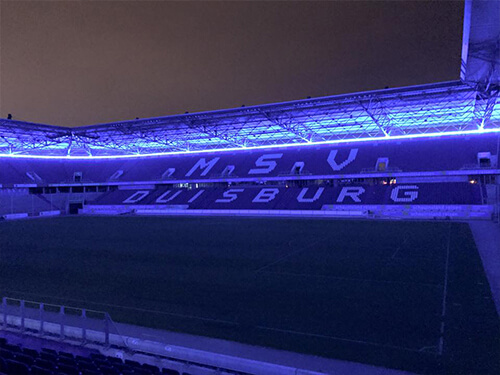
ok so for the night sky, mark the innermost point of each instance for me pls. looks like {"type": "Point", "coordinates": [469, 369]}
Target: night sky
{"type": "Point", "coordinates": [86, 62]}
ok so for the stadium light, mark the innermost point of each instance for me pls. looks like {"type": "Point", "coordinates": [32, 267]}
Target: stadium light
{"type": "Point", "coordinates": [384, 138]}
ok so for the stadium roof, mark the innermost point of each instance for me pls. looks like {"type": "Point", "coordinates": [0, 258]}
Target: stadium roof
{"type": "Point", "coordinates": [435, 109]}
{"type": "Point", "coordinates": [481, 43]}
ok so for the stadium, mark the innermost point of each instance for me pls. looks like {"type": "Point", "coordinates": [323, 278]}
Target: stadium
{"type": "Point", "coordinates": [350, 234]}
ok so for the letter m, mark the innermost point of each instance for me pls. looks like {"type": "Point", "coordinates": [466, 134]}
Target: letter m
{"type": "Point", "coordinates": [203, 165]}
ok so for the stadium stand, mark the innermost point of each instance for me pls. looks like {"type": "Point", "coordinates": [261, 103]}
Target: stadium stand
{"type": "Point", "coordinates": [417, 200]}
{"type": "Point", "coordinates": [18, 360]}
{"type": "Point", "coordinates": [69, 185]}
{"type": "Point", "coordinates": [459, 155]}
{"type": "Point", "coordinates": [300, 198]}
{"type": "Point", "coordinates": [423, 152]}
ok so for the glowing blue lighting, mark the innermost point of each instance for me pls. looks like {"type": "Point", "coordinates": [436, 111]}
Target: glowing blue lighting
{"type": "Point", "coordinates": [233, 149]}
{"type": "Point", "coordinates": [436, 110]}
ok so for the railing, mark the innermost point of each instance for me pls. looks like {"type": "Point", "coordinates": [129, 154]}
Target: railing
{"type": "Point", "coordinates": [386, 170]}
{"type": "Point", "coordinates": [59, 322]}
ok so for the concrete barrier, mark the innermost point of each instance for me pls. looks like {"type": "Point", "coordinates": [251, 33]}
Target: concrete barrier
{"type": "Point", "coordinates": [15, 216]}
{"type": "Point", "coordinates": [50, 213]}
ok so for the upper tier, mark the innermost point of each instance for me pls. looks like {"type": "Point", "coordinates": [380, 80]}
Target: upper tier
{"type": "Point", "coordinates": [434, 156]}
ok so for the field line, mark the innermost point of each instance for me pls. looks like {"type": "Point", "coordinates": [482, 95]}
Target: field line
{"type": "Point", "coordinates": [335, 338]}
{"type": "Point", "coordinates": [445, 293]}
{"type": "Point", "coordinates": [352, 279]}
{"type": "Point", "coordinates": [400, 247]}
{"type": "Point", "coordinates": [290, 254]}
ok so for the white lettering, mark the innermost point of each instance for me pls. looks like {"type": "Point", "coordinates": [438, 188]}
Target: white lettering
{"type": "Point", "coordinates": [196, 196]}
{"type": "Point", "coordinates": [408, 196]}
{"type": "Point", "coordinates": [137, 196]}
{"type": "Point", "coordinates": [316, 196]}
{"type": "Point", "coordinates": [352, 192]}
{"type": "Point", "coordinates": [266, 195]}
{"type": "Point", "coordinates": [161, 198]}
{"type": "Point", "coordinates": [229, 195]}
{"type": "Point", "coordinates": [267, 165]}
{"type": "Point", "coordinates": [203, 165]}
{"type": "Point", "coordinates": [337, 167]}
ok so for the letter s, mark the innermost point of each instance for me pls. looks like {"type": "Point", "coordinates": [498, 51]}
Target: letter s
{"type": "Point", "coordinates": [267, 165]}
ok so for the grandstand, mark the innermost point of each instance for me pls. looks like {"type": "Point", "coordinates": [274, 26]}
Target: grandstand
{"type": "Point", "coordinates": [192, 215]}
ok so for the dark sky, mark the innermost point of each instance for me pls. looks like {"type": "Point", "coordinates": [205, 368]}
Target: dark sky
{"type": "Point", "coordinates": [86, 62]}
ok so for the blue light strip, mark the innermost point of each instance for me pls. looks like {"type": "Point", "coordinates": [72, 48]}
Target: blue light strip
{"type": "Point", "coordinates": [267, 147]}
{"type": "Point", "coordinates": [432, 110]}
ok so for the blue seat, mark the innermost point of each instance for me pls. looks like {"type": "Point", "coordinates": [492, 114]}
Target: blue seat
{"type": "Point", "coordinates": [26, 359]}
{"type": "Point", "coordinates": [3, 364]}
{"type": "Point", "coordinates": [17, 368]}
{"type": "Point", "coordinates": [114, 360]}
{"type": "Point", "coordinates": [107, 369]}
{"type": "Point", "coordinates": [97, 356]}
{"type": "Point", "coordinates": [40, 371]}
{"type": "Point", "coordinates": [69, 370]}
{"type": "Point", "coordinates": [86, 366]}
{"type": "Point", "coordinates": [80, 358]}
{"type": "Point", "coordinates": [132, 363]}
{"type": "Point", "coordinates": [48, 357]}
{"type": "Point", "coordinates": [66, 361]}
{"type": "Point", "coordinates": [153, 369]}
{"type": "Point", "coordinates": [13, 348]}
{"type": "Point", "coordinates": [66, 354]}
{"type": "Point", "coordinates": [30, 352]}
{"type": "Point", "coordinates": [51, 351]}
{"type": "Point", "coordinates": [6, 354]}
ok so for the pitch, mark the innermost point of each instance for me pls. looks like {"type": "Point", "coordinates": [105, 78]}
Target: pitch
{"type": "Point", "coordinates": [408, 295]}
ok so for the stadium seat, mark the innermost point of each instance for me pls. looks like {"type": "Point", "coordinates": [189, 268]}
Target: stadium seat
{"type": "Point", "coordinates": [51, 351]}
{"type": "Point", "coordinates": [65, 354]}
{"type": "Point", "coordinates": [114, 360]}
{"type": "Point", "coordinates": [15, 367]}
{"type": "Point", "coordinates": [66, 361]}
{"type": "Point", "coordinates": [132, 363]}
{"type": "Point", "coordinates": [69, 370]}
{"type": "Point", "coordinates": [153, 369]}
{"type": "Point", "coordinates": [86, 366]}
{"type": "Point", "coordinates": [26, 359]}
{"type": "Point", "coordinates": [3, 364]}
{"type": "Point", "coordinates": [40, 371]}
{"type": "Point", "coordinates": [107, 369]}
{"type": "Point", "coordinates": [30, 352]}
{"type": "Point", "coordinates": [97, 356]}
{"type": "Point", "coordinates": [5, 354]}
{"type": "Point", "coordinates": [127, 371]}
{"type": "Point", "coordinates": [80, 358]}
{"type": "Point", "coordinates": [48, 356]}
{"type": "Point", "coordinates": [13, 348]}
{"type": "Point", "coordinates": [48, 365]}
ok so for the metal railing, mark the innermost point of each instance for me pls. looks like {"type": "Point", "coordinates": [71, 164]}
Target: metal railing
{"type": "Point", "coordinates": [59, 322]}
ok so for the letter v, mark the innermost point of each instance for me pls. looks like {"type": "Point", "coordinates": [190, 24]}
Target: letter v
{"type": "Point", "coordinates": [337, 167]}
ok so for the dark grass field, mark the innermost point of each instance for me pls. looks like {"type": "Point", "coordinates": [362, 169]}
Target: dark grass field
{"type": "Point", "coordinates": [367, 291]}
